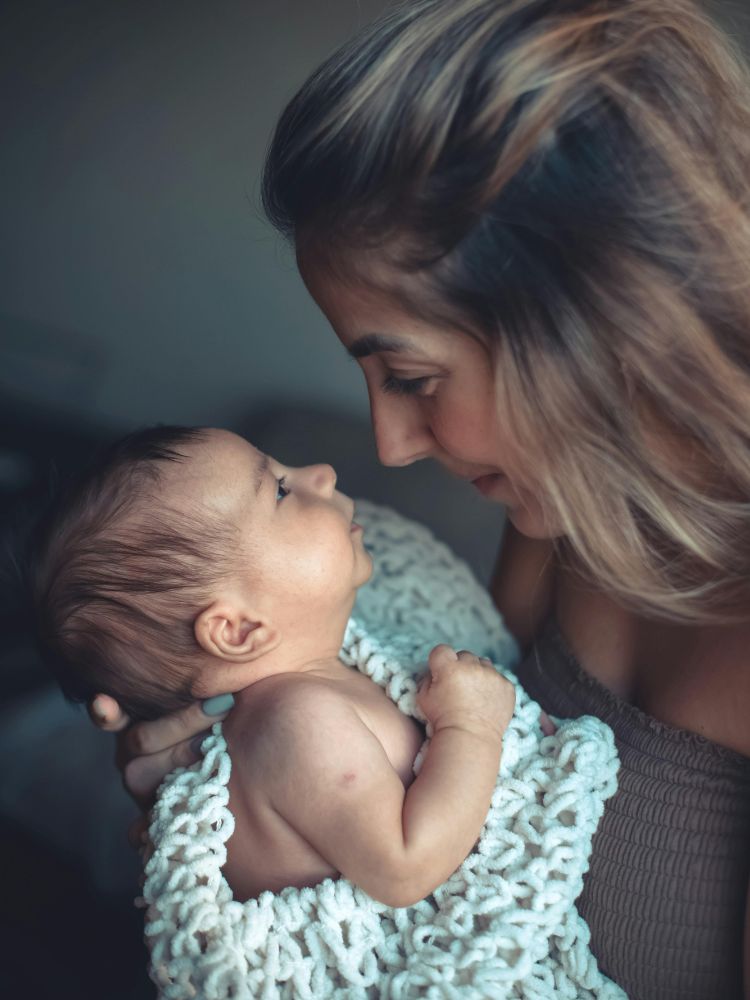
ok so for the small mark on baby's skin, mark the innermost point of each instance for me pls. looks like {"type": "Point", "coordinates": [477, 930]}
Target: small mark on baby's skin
{"type": "Point", "coordinates": [348, 777]}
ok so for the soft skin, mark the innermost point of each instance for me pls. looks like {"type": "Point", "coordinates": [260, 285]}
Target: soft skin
{"type": "Point", "coordinates": [331, 800]}
{"type": "Point", "coordinates": [299, 563]}
{"type": "Point", "coordinates": [322, 781]}
{"type": "Point", "coordinates": [451, 414]}
{"type": "Point", "coordinates": [433, 394]}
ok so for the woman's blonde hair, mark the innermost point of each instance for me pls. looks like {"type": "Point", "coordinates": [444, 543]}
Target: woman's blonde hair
{"type": "Point", "coordinates": [569, 180]}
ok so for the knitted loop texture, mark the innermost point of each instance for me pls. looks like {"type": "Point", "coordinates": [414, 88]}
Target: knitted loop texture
{"type": "Point", "coordinates": [503, 925]}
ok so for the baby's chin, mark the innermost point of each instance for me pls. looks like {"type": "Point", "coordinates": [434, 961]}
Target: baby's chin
{"type": "Point", "coordinates": [367, 571]}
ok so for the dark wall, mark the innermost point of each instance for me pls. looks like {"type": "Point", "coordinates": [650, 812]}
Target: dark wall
{"type": "Point", "coordinates": [138, 280]}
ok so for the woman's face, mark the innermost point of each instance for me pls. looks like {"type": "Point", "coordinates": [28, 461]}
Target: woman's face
{"type": "Point", "coordinates": [432, 395]}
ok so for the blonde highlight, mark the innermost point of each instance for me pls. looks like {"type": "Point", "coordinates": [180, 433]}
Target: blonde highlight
{"type": "Point", "coordinates": [571, 180]}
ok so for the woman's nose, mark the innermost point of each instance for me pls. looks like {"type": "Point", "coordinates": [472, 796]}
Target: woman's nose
{"type": "Point", "coordinates": [401, 435]}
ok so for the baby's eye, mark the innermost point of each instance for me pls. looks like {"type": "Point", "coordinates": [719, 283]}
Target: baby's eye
{"type": "Point", "coordinates": [281, 490]}
{"type": "Point", "coordinates": [407, 386]}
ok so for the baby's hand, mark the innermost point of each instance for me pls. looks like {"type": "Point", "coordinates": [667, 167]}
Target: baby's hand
{"type": "Point", "coordinates": [463, 691]}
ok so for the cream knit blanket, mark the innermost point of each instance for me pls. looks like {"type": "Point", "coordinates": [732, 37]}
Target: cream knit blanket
{"type": "Point", "coordinates": [504, 925]}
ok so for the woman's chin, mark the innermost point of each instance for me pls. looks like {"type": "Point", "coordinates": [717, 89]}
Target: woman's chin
{"type": "Point", "coordinates": [529, 520]}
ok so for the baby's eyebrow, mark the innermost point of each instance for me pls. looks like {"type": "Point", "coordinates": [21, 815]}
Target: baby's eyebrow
{"type": "Point", "coordinates": [260, 473]}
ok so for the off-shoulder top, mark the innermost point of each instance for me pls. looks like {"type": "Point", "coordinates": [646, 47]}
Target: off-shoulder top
{"type": "Point", "coordinates": [666, 889]}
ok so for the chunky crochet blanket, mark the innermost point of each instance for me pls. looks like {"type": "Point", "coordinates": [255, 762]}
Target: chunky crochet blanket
{"type": "Point", "coordinates": [504, 925]}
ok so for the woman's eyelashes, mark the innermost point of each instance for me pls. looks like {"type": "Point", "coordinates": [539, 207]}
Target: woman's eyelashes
{"type": "Point", "coordinates": [407, 386]}
{"type": "Point", "coordinates": [281, 489]}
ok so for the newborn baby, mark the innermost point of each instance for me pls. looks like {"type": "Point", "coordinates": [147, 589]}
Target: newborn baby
{"type": "Point", "coordinates": [189, 564]}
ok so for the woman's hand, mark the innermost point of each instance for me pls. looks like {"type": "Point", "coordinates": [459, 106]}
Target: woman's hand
{"type": "Point", "coordinates": [148, 751]}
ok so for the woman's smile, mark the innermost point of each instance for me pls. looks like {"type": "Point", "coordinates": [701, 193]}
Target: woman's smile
{"type": "Point", "coordinates": [487, 484]}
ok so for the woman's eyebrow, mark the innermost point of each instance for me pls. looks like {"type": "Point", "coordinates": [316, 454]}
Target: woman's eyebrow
{"type": "Point", "coordinates": [376, 343]}
{"type": "Point", "coordinates": [260, 473]}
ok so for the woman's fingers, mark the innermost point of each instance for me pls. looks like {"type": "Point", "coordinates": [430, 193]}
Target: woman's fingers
{"type": "Point", "coordinates": [106, 714]}
{"type": "Point", "coordinates": [137, 832]}
{"type": "Point", "coordinates": [148, 751]}
{"type": "Point", "coordinates": [146, 738]}
{"type": "Point", "coordinates": [143, 775]}
{"type": "Point", "coordinates": [548, 726]}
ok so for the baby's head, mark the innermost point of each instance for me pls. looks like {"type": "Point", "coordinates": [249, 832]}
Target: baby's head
{"type": "Point", "coordinates": [185, 563]}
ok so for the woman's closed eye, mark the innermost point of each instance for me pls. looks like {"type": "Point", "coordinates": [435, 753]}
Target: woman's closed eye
{"type": "Point", "coordinates": [408, 386]}
{"type": "Point", "coordinates": [281, 489]}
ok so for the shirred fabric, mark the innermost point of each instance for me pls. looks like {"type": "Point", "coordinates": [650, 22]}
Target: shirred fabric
{"type": "Point", "coordinates": [665, 893]}
{"type": "Point", "coordinates": [504, 925]}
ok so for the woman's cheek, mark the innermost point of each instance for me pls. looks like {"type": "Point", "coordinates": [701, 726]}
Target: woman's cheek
{"type": "Point", "coordinates": [458, 434]}
{"type": "Point", "coordinates": [466, 423]}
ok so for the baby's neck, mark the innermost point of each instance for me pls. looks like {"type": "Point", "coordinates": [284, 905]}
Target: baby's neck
{"type": "Point", "coordinates": [328, 668]}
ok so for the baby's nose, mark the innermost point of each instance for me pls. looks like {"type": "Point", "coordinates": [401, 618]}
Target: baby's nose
{"type": "Point", "coordinates": [324, 478]}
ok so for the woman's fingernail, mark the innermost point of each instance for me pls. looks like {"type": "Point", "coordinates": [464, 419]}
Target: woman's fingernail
{"type": "Point", "coordinates": [98, 709]}
{"type": "Point", "coordinates": [217, 705]}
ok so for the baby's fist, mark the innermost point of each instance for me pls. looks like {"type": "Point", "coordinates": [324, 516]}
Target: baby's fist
{"type": "Point", "coordinates": [466, 692]}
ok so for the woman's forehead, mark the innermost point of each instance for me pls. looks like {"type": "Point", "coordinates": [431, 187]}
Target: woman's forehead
{"type": "Point", "coordinates": [400, 337]}
{"type": "Point", "coordinates": [370, 320]}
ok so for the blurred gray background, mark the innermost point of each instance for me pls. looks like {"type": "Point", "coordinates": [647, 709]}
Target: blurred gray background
{"type": "Point", "coordinates": [139, 283]}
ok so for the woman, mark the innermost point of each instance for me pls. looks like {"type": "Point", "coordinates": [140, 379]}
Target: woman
{"type": "Point", "coordinates": [529, 222]}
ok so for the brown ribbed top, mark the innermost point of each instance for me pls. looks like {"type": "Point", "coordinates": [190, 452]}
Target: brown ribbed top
{"type": "Point", "coordinates": [665, 893]}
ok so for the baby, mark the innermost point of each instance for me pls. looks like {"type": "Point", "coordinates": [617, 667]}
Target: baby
{"type": "Point", "coordinates": [190, 564]}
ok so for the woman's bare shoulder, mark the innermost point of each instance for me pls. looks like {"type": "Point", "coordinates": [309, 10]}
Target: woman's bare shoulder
{"type": "Point", "coordinates": [703, 683]}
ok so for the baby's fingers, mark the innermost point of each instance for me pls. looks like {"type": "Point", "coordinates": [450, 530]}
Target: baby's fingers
{"type": "Point", "coordinates": [441, 658]}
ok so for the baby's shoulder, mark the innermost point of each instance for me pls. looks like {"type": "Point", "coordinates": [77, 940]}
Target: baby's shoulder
{"type": "Point", "coordinates": [286, 717]}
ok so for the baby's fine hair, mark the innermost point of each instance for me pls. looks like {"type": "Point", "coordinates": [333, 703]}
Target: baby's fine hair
{"type": "Point", "coordinates": [117, 577]}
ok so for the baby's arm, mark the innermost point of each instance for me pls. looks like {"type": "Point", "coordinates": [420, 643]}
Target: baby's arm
{"type": "Point", "coordinates": [333, 783]}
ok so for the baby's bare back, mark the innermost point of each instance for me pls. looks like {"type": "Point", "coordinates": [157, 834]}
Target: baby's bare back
{"type": "Point", "coordinates": [265, 852]}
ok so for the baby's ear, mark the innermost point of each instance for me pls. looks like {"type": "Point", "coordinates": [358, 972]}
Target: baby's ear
{"type": "Point", "coordinates": [228, 631]}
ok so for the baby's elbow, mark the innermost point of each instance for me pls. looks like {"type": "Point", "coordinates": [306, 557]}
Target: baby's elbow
{"type": "Point", "coordinates": [399, 879]}
{"type": "Point", "coordinates": [396, 898]}
{"type": "Point", "coordinates": [399, 893]}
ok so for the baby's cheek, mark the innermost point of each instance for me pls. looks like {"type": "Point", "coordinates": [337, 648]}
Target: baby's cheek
{"type": "Point", "coordinates": [320, 561]}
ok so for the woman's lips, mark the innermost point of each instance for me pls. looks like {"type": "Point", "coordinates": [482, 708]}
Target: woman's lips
{"type": "Point", "coordinates": [487, 484]}
{"type": "Point", "coordinates": [355, 527]}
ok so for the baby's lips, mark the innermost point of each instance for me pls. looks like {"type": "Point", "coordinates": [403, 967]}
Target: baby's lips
{"type": "Point", "coordinates": [354, 524]}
